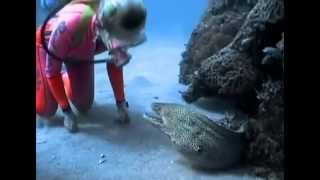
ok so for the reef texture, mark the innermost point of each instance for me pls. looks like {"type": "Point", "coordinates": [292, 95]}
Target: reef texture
{"type": "Point", "coordinates": [237, 51]}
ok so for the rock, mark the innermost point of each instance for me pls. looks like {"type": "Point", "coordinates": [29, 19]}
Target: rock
{"type": "Point", "coordinates": [228, 73]}
{"type": "Point", "coordinates": [273, 52]}
{"type": "Point", "coordinates": [248, 67]}
{"type": "Point", "coordinates": [232, 71]}
{"type": "Point", "coordinates": [245, 44]}
{"type": "Point", "coordinates": [272, 59]}
{"type": "Point", "coordinates": [280, 44]}
{"type": "Point", "coordinates": [212, 34]}
{"type": "Point", "coordinates": [267, 173]}
{"type": "Point", "coordinates": [266, 135]}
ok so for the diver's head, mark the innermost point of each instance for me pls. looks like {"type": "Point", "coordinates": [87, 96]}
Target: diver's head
{"type": "Point", "coordinates": [122, 19]}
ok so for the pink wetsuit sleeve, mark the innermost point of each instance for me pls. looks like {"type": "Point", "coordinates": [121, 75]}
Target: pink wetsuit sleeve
{"type": "Point", "coordinates": [59, 44]}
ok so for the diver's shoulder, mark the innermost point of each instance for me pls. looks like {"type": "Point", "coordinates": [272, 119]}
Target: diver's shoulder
{"type": "Point", "coordinates": [85, 4]}
{"type": "Point", "coordinates": [76, 8]}
{"type": "Point", "coordinates": [74, 14]}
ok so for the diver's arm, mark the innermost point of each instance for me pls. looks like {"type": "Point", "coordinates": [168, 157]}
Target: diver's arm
{"type": "Point", "coordinates": [59, 44]}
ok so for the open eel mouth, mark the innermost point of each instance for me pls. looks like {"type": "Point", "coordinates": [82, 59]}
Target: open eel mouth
{"type": "Point", "coordinates": [154, 116]}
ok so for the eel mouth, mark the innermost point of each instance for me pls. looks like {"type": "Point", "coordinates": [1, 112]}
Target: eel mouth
{"type": "Point", "coordinates": [153, 117]}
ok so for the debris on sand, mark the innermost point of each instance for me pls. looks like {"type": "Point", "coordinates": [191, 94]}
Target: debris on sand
{"type": "Point", "coordinates": [53, 158]}
{"type": "Point", "coordinates": [101, 161]}
{"type": "Point", "coordinates": [102, 158]}
{"type": "Point", "coordinates": [41, 142]}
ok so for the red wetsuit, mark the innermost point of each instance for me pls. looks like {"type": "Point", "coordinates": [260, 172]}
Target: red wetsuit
{"type": "Point", "coordinates": [71, 34]}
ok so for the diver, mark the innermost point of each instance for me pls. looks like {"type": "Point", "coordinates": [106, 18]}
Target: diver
{"type": "Point", "coordinates": [80, 30]}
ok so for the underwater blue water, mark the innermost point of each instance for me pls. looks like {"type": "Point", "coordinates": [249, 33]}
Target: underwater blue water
{"type": "Point", "coordinates": [173, 18]}
{"type": "Point", "coordinates": [166, 18]}
{"type": "Point", "coordinates": [139, 151]}
{"type": "Point", "coordinates": [48, 3]}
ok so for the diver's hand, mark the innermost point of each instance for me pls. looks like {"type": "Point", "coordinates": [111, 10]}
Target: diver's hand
{"type": "Point", "coordinates": [120, 57]}
{"type": "Point", "coordinates": [70, 121]}
{"type": "Point", "coordinates": [123, 113]}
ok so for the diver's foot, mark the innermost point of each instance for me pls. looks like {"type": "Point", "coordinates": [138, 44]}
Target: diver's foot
{"type": "Point", "coordinates": [123, 113]}
{"type": "Point", "coordinates": [70, 122]}
{"type": "Point", "coordinates": [55, 120]}
{"type": "Point", "coordinates": [40, 123]}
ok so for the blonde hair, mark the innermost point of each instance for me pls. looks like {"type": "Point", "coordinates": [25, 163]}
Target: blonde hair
{"type": "Point", "coordinates": [124, 19]}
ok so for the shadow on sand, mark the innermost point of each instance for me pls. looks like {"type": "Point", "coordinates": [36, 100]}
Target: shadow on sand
{"type": "Point", "coordinates": [138, 135]}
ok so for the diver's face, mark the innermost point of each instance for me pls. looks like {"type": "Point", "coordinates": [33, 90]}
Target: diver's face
{"type": "Point", "coordinates": [126, 38]}
{"type": "Point", "coordinates": [111, 31]}
{"type": "Point", "coordinates": [123, 35]}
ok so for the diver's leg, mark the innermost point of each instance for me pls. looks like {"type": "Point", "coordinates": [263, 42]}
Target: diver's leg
{"type": "Point", "coordinates": [66, 83]}
{"type": "Point", "coordinates": [116, 79]}
{"type": "Point", "coordinates": [79, 85]}
{"type": "Point", "coordinates": [49, 92]}
{"type": "Point", "coordinates": [46, 106]}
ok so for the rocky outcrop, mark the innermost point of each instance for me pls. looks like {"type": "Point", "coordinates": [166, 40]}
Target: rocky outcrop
{"type": "Point", "coordinates": [266, 133]}
{"type": "Point", "coordinates": [245, 64]}
{"type": "Point", "coordinates": [218, 27]}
